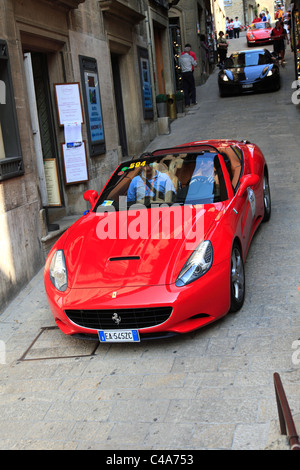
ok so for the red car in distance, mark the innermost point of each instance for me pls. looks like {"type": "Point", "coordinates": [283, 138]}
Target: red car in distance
{"type": "Point", "coordinates": [161, 251]}
{"type": "Point", "coordinates": [259, 34]}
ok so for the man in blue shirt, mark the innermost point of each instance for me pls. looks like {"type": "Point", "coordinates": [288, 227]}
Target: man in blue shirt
{"type": "Point", "coordinates": [151, 185]}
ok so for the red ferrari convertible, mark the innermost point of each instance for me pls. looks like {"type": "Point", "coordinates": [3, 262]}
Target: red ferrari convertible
{"type": "Point", "coordinates": [259, 34]}
{"type": "Point", "coordinates": [162, 249]}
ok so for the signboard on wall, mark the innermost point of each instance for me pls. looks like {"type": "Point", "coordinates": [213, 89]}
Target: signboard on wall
{"type": "Point", "coordinates": [145, 79]}
{"type": "Point", "coordinates": [68, 102]}
{"type": "Point", "coordinates": [52, 183]}
{"type": "Point", "coordinates": [92, 102]}
{"type": "Point", "coordinates": [75, 163]}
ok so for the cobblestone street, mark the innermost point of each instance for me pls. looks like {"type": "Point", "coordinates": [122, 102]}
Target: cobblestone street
{"type": "Point", "coordinates": [212, 389]}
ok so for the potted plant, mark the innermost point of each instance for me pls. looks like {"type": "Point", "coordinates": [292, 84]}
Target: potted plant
{"type": "Point", "coordinates": [161, 104]}
{"type": "Point", "coordinates": [179, 98]}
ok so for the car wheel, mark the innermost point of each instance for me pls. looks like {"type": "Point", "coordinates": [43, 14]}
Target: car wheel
{"type": "Point", "coordinates": [267, 198]}
{"type": "Point", "coordinates": [237, 279]}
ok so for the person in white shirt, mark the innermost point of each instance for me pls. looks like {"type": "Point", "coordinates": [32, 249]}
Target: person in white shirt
{"type": "Point", "coordinates": [236, 27]}
{"type": "Point", "coordinates": [187, 62]}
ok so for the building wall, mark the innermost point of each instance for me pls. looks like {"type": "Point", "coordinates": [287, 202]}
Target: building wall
{"type": "Point", "coordinates": [235, 8]}
{"type": "Point", "coordinates": [91, 28]}
{"type": "Point", "coordinates": [113, 33]}
{"type": "Point", "coordinates": [193, 16]}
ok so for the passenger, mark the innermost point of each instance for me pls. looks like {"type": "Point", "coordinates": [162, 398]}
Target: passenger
{"type": "Point", "coordinates": [151, 186]}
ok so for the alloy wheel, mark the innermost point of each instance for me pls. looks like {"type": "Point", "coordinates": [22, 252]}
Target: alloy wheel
{"type": "Point", "coordinates": [237, 279]}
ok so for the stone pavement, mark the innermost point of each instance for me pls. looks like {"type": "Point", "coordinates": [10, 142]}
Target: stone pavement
{"type": "Point", "coordinates": [212, 389]}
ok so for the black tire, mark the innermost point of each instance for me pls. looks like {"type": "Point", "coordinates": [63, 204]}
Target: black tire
{"type": "Point", "coordinates": [237, 279]}
{"type": "Point", "coordinates": [267, 198]}
{"type": "Point", "coordinates": [223, 94]}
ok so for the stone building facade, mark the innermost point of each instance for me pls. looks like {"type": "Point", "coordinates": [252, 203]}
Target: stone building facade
{"type": "Point", "coordinates": [112, 57]}
{"type": "Point", "coordinates": [246, 10]}
{"type": "Point", "coordinates": [196, 23]}
{"type": "Point", "coordinates": [48, 43]}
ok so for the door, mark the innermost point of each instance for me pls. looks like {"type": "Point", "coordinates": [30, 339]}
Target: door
{"type": "Point", "coordinates": [159, 60]}
{"type": "Point", "coordinates": [35, 127]}
{"type": "Point", "coordinates": [44, 137]}
{"type": "Point", "coordinates": [119, 103]}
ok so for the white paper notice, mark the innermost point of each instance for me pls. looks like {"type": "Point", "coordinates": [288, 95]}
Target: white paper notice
{"type": "Point", "coordinates": [68, 102]}
{"type": "Point", "coordinates": [72, 133]}
{"type": "Point", "coordinates": [75, 164]}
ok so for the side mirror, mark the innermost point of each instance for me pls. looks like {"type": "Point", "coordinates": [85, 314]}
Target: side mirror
{"type": "Point", "coordinates": [91, 196]}
{"type": "Point", "coordinates": [246, 181]}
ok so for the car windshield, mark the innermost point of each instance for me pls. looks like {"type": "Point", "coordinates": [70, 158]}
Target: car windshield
{"type": "Point", "coordinates": [169, 178]}
{"type": "Point", "coordinates": [261, 25]}
{"type": "Point", "coordinates": [252, 58]}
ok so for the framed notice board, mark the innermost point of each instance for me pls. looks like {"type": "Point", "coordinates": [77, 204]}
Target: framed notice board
{"type": "Point", "coordinates": [92, 103]}
{"type": "Point", "coordinates": [145, 79]}
{"type": "Point", "coordinates": [52, 183]}
{"type": "Point", "coordinates": [75, 163]}
{"type": "Point", "coordinates": [68, 102]}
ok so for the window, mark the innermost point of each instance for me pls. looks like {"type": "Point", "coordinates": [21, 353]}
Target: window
{"type": "Point", "coordinates": [11, 162]}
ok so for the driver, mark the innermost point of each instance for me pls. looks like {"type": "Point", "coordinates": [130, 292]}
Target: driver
{"type": "Point", "coordinates": [151, 185]}
{"type": "Point", "coordinates": [202, 181]}
{"type": "Point", "coordinates": [205, 168]}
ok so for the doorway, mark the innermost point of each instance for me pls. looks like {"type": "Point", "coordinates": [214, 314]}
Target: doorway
{"type": "Point", "coordinates": [43, 128]}
{"type": "Point", "coordinates": [115, 63]}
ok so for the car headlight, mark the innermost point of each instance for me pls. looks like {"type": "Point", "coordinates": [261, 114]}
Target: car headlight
{"type": "Point", "coordinates": [251, 36]}
{"type": "Point", "coordinates": [270, 73]}
{"type": "Point", "coordinates": [197, 265]}
{"type": "Point", "coordinates": [58, 271]}
{"type": "Point", "coordinates": [224, 77]}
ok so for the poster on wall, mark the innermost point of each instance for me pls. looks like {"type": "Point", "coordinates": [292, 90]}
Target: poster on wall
{"type": "Point", "coordinates": [75, 163]}
{"type": "Point", "coordinates": [68, 101]}
{"type": "Point", "coordinates": [52, 184]}
{"type": "Point", "coordinates": [94, 106]}
{"type": "Point", "coordinates": [145, 79]}
{"type": "Point", "coordinates": [92, 102]}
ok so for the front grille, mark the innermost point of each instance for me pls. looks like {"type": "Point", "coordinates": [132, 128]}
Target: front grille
{"type": "Point", "coordinates": [132, 318]}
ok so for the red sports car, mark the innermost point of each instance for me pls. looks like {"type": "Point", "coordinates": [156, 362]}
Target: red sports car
{"type": "Point", "coordinates": [259, 33]}
{"type": "Point", "coordinates": [162, 249]}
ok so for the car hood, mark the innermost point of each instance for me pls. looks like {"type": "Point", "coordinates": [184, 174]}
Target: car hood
{"type": "Point", "coordinates": [247, 74]}
{"type": "Point", "coordinates": [152, 258]}
{"type": "Point", "coordinates": [260, 33]}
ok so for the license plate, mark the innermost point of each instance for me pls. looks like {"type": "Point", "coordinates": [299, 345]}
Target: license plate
{"type": "Point", "coordinates": [118, 336]}
{"type": "Point", "coordinates": [247, 86]}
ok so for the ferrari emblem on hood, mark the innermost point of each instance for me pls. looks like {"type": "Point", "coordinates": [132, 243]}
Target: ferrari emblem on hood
{"type": "Point", "coordinates": [116, 318]}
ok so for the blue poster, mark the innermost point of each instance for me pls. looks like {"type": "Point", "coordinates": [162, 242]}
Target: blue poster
{"type": "Point", "coordinates": [146, 84]}
{"type": "Point", "coordinates": [94, 106]}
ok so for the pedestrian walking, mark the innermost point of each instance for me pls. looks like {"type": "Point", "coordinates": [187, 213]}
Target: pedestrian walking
{"type": "Point", "coordinates": [279, 35]}
{"type": "Point", "coordinates": [230, 29]}
{"type": "Point", "coordinates": [188, 48]}
{"type": "Point", "coordinates": [236, 27]}
{"type": "Point", "coordinates": [222, 46]}
{"type": "Point", "coordinates": [187, 63]}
